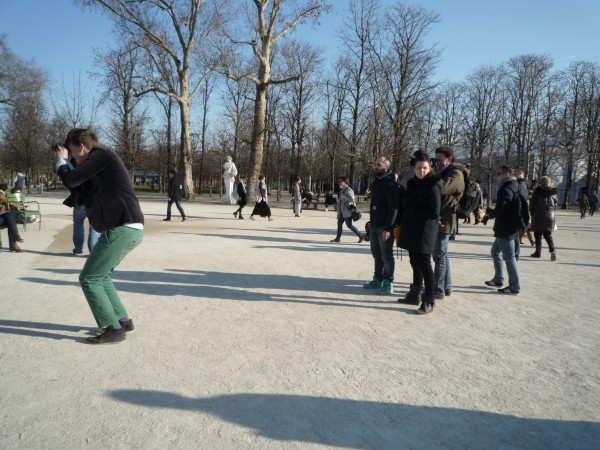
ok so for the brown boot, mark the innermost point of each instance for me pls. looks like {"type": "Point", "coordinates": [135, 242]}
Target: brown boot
{"type": "Point", "coordinates": [18, 237]}
{"type": "Point", "coordinates": [15, 248]}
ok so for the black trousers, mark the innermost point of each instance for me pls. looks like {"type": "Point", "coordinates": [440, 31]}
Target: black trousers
{"type": "Point", "coordinates": [8, 220]}
{"type": "Point", "coordinates": [538, 241]}
{"type": "Point", "coordinates": [422, 272]}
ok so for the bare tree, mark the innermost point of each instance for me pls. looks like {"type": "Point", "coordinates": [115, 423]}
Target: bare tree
{"type": "Point", "coordinates": [303, 60]}
{"type": "Point", "coordinates": [482, 114]}
{"type": "Point", "coordinates": [407, 65]}
{"type": "Point", "coordinates": [266, 26]}
{"type": "Point", "coordinates": [127, 121]}
{"type": "Point", "coordinates": [526, 79]}
{"type": "Point", "coordinates": [17, 76]}
{"type": "Point", "coordinates": [175, 36]}
{"type": "Point", "coordinates": [356, 37]}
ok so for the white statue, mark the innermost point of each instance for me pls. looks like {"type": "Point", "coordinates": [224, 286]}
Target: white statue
{"type": "Point", "coordinates": [229, 174]}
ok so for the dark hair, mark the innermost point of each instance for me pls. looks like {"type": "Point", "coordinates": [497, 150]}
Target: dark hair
{"type": "Point", "coordinates": [172, 171]}
{"type": "Point", "coordinates": [420, 156]}
{"type": "Point", "coordinates": [344, 179]}
{"type": "Point", "coordinates": [3, 187]}
{"type": "Point", "coordinates": [296, 179]}
{"type": "Point", "coordinates": [261, 176]}
{"type": "Point", "coordinates": [447, 151]}
{"type": "Point", "coordinates": [244, 177]}
{"type": "Point", "coordinates": [506, 169]}
{"type": "Point", "coordinates": [83, 136]}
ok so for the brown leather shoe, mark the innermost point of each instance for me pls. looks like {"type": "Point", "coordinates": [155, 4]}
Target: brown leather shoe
{"type": "Point", "coordinates": [15, 248]}
{"type": "Point", "coordinates": [18, 238]}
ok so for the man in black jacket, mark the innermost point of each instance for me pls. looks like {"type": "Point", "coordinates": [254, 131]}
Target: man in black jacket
{"type": "Point", "coordinates": [523, 191]}
{"type": "Point", "coordinates": [384, 208]}
{"type": "Point", "coordinates": [114, 211]}
{"type": "Point", "coordinates": [506, 229]}
{"type": "Point", "coordinates": [174, 195]}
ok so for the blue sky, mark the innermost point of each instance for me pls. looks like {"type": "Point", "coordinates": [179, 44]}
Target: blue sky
{"type": "Point", "coordinates": [60, 37]}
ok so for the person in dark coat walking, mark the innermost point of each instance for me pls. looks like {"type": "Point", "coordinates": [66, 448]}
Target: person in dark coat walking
{"type": "Point", "coordinates": [523, 192]}
{"type": "Point", "coordinates": [507, 213]}
{"type": "Point", "coordinates": [584, 204]}
{"type": "Point", "coordinates": [242, 195]}
{"type": "Point", "coordinates": [419, 218]}
{"type": "Point", "coordinates": [542, 206]}
{"type": "Point", "coordinates": [174, 195]}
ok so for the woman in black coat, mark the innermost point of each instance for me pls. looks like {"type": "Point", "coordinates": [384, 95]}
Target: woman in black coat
{"type": "Point", "coordinates": [242, 195]}
{"type": "Point", "coordinates": [541, 206]}
{"type": "Point", "coordinates": [419, 214]}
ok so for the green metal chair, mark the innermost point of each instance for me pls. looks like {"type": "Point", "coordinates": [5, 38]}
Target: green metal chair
{"type": "Point", "coordinates": [26, 208]}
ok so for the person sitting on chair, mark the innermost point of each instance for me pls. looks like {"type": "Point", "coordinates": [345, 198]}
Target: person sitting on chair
{"type": "Point", "coordinates": [8, 220]}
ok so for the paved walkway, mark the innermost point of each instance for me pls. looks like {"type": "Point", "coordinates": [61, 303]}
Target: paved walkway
{"type": "Point", "coordinates": [259, 335]}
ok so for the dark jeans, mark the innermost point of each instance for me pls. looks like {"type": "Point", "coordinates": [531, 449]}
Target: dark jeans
{"type": "Point", "coordinates": [422, 272]}
{"type": "Point", "coordinates": [181, 211]}
{"type": "Point", "coordinates": [8, 220]}
{"type": "Point", "coordinates": [583, 210]}
{"type": "Point", "coordinates": [348, 222]}
{"type": "Point", "coordinates": [383, 254]}
{"type": "Point", "coordinates": [538, 241]}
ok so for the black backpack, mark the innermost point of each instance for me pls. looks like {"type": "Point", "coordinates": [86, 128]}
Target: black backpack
{"type": "Point", "coordinates": [470, 198]}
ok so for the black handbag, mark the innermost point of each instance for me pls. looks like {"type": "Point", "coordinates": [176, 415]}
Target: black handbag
{"type": "Point", "coordinates": [356, 214]}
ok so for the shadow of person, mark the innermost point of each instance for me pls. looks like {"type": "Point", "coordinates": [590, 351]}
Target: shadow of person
{"type": "Point", "coordinates": [41, 329]}
{"type": "Point", "coordinates": [367, 424]}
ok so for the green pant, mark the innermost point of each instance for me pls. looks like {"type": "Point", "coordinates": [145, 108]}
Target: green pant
{"type": "Point", "coordinates": [95, 278]}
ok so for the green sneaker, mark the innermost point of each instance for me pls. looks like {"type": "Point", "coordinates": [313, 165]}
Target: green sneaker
{"type": "Point", "coordinates": [373, 284]}
{"type": "Point", "coordinates": [387, 288]}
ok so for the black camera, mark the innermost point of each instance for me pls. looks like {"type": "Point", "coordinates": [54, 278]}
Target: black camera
{"type": "Point", "coordinates": [54, 147]}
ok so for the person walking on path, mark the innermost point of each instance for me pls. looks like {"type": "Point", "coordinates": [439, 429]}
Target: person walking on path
{"type": "Point", "coordinates": [542, 206]}
{"type": "Point", "coordinates": [523, 191]}
{"type": "Point", "coordinates": [262, 206]}
{"type": "Point", "coordinates": [382, 212]}
{"type": "Point", "coordinates": [453, 186]}
{"type": "Point", "coordinates": [344, 213]}
{"type": "Point", "coordinates": [175, 189]}
{"type": "Point", "coordinates": [593, 203]}
{"type": "Point", "coordinates": [242, 197]}
{"type": "Point", "coordinates": [114, 211]}
{"type": "Point", "coordinates": [419, 217]}
{"type": "Point", "coordinates": [8, 220]}
{"type": "Point", "coordinates": [506, 228]}
{"type": "Point", "coordinates": [297, 198]}
{"type": "Point", "coordinates": [584, 204]}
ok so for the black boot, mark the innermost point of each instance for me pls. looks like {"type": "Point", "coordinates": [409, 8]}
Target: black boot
{"type": "Point", "coordinates": [413, 297]}
{"type": "Point", "coordinates": [426, 306]}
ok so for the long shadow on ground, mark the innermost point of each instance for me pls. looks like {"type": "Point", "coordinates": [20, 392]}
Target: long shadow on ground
{"type": "Point", "coordinates": [366, 424]}
{"type": "Point", "coordinates": [241, 286]}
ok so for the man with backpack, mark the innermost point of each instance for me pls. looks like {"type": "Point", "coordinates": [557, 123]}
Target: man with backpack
{"type": "Point", "coordinates": [506, 229]}
{"type": "Point", "coordinates": [453, 186]}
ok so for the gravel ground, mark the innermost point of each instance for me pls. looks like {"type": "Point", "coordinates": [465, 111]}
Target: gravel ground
{"type": "Point", "coordinates": [257, 334]}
